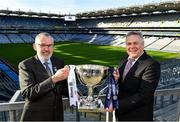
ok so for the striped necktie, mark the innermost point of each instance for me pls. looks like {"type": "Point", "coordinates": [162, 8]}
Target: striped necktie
{"type": "Point", "coordinates": [47, 68]}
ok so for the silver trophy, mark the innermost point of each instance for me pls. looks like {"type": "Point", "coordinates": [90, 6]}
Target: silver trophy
{"type": "Point", "coordinates": [91, 76]}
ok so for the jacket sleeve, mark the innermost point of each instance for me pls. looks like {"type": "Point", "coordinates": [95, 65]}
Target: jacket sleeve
{"type": "Point", "coordinates": [144, 95]}
{"type": "Point", "coordinates": [63, 88]}
{"type": "Point", "coordinates": [30, 88]}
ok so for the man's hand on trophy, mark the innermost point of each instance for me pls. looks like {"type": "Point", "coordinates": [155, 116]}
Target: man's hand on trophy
{"type": "Point", "coordinates": [61, 74]}
{"type": "Point", "coordinates": [116, 74]}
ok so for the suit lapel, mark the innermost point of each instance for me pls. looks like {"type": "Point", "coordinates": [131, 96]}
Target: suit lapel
{"type": "Point", "coordinates": [54, 67]}
{"type": "Point", "coordinates": [134, 67]}
{"type": "Point", "coordinates": [122, 65]}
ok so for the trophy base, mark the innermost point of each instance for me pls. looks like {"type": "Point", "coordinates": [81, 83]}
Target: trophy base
{"type": "Point", "coordinates": [91, 110]}
{"type": "Point", "coordinates": [91, 106]}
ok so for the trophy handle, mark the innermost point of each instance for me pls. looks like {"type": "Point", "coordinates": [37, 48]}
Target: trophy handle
{"type": "Point", "coordinates": [80, 93]}
{"type": "Point", "coordinates": [101, 92]}
{"type": "Point", "coordinates": [79, 78]}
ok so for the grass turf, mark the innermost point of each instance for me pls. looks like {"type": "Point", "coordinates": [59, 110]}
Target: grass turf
{"type": "Point", "coordinates": [77, 53]}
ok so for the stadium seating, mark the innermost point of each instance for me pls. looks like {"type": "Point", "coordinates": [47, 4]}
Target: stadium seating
{"type": "Point", "coordinates": [173, 46]}
{"type": "Point", "coordinates": [149, 20]}
{"type": "Point", "coordinates": [16, 21]}
{"type": "Point", "coordinates": [9, 82]}
{"type": "Point", "coordinates": [26, 38]}
{"type": "Point", "coordinates": [157, 28]}
{"type": "Point", "coordinates": [15, 38]}
{"type": "Point", "coordinates": [4, 39]}
{"type": "Point", "coordinates": [160, 43]}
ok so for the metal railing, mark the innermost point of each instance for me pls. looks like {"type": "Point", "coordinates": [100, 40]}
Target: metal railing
{"type": "Point", "coordinates": [14, 105]}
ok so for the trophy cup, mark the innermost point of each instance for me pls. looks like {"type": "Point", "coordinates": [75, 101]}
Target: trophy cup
{"type": "Point", "coordinates": [91, 76]}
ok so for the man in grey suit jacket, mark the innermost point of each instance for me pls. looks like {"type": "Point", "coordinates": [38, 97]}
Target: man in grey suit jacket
{"type": "Point", "coordinates": [137, 77]}
{"type": "Point", "coordinates": [43, 82]}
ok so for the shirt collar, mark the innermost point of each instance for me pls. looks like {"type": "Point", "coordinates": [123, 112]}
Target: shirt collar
{"type": "Point", "coordinates": [137, 57]}
{"type": "Point", "coordinates": [42, 61]}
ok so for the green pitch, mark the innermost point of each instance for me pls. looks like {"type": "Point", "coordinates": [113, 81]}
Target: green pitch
{"type": "Point", "coordinates": [76, 53]}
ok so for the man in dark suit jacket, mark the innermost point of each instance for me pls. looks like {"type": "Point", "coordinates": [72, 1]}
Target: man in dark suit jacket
{"type": "Point", "coordinates": [42, 87]}
{"type": "Point", "coordinates": [136, 86]}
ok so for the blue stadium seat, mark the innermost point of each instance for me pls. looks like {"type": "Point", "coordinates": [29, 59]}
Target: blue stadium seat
{"type": "Point", "coordinates": [11, 74]}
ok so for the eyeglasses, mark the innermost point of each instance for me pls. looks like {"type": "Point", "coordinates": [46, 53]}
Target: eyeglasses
{"type": "Point", "coordinates": [45, 45]}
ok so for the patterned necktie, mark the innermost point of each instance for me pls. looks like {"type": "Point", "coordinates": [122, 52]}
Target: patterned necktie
{"type": "Point", "coordinates": [128, 67]}
{"type": "Point", "coordinates": [48, 69]}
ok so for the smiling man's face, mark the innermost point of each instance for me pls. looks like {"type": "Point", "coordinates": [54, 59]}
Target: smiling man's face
{"type": "Point", "coordinates": [134, 46]}
{"type": "Point", "coordinates": [44, 47]}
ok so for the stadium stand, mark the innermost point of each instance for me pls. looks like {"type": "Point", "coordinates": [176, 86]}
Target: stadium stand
{"type": "Point", "coordinates": [18, 21]}
{"type": "Point", "coordinates": [147, 20]}
{"type": "Point", "coordinates": [9, 82]}
{"type": "Point", "coordinates": [89, 30]}
{"type": "Point", "coordinates": [170, 72]}
{"type": "Point", "coordinates": [166, 105]}
{"type": "Point", "coordinates": [160, 43]}
{"type": "Point", "coordinates": [173, 46]}
{"type": "Point", "coordinates": [15, 38]}
{"type": "Point", "coordinates": [26, 38]}
{"type": "Point", "coordinates": [4, 39]}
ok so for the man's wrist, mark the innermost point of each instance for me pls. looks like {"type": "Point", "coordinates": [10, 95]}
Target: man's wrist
{"type": "Point", "coordinates": [54, 79]}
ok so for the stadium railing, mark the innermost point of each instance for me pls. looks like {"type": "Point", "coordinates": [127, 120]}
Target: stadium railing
{"type": "Point", "coordinates": [15, 105]}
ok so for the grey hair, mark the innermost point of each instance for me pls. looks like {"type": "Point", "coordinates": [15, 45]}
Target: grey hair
{"type": "Point", "coordinates": [43, 34]}
{"type": "Point", "coordinates": [135, 33]}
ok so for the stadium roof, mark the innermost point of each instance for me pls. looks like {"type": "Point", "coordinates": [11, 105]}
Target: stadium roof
{"type": "Point", "coordinates": [149, 8]}
{"type": "Point", "coordinates": [163, 7]}
{"type": "Point", "coordinates": [30, 14]}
